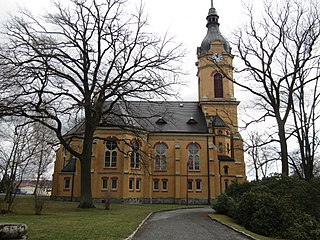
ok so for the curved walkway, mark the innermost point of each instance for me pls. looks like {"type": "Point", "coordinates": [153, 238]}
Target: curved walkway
{"type": "Point", "coordinates": [185, 224]}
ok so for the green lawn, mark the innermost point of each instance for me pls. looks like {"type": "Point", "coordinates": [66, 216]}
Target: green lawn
{"type": "Point", "coordinates": [63, 220]}
{"type": "Point", "coordinates": [230, 222]}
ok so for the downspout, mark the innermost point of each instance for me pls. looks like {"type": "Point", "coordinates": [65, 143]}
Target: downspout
{"type": "Point", "coordinates": [72, 186]}
{"type": "Point", "coordinates": [220, 175]}
{"type": "Point", "coordinates": [208, 168]}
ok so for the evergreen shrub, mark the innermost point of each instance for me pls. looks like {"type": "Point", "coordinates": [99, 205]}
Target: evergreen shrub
{"type": "Point", "coordinates": [278, 206]}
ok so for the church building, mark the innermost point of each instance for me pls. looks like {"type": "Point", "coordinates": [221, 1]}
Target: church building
{"type": "Point", "coordinates": [186, 152]}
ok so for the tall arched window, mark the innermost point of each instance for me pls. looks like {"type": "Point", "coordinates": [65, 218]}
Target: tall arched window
{"type": "Point", "coordinates": [160, 156]}
{"type": "Point", "coordinates": [218, 85]}
{"type": "Point", "coordinates": [135, 155]}
{"type": "Point", "coordinates": [194, 157]}
{"type": "Point", "coordinates": [110, 159]}
{"type": "Point", "coordinates": [226, 169]}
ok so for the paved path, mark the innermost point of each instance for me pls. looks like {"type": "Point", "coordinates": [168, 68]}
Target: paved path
{"type": "Point", "coordinates": [186, 224]}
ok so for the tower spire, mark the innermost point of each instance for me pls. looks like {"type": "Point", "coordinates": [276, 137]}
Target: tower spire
{"type": "Point", "coordinates": [213, 32]}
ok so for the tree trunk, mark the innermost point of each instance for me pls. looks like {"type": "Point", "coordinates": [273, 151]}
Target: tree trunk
{"type": "Point", "coordinates": [86, 200]}
{"type": "Point", "coordinates": [284, 148]}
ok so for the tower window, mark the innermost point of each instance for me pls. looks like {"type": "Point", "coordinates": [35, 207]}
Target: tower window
{"type": "Point", "coordinates": [226, 184]}
{"type": "Point", "coordinates": [220, 147]}
{"type": "Point", "coordinates": [226, 169]}
{"type": "Point", "coordinates": [218, 86]}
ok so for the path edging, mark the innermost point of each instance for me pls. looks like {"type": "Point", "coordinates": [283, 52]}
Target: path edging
{"type": "Point", "coordinates": [140, 225]}
{"type": "Point", "coordinates": [233, 228]}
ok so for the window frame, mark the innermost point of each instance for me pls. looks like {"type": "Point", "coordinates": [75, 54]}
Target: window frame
{"type": "Point", "coordinates": [155, 183]}
{"type": "Point", "coordinates": [220, 147]}
{"type": "Point", "coordinates": [164, 185]}
{"type": "Point", "coordinates": [198, 187]}
{"type": "Point", "coordinates": [160, 157]}
{"type": "Point", "coordinates": [193, 157]}
{"type": "Point", "coordinates": [135, 154]}
{"type": "Point", "coordinates": [218, 85]}
{"type": "Point", "coordinates": [104, 184]}
{"type": "Point", "coordinates": [226, 184]}
{"type": "Point", "coordinates": [111, 154]}
{"type": "Point", "coordinates": [190, 185]}
{"type": "Point", "coordinates": [226, 170]}
{"type": "Point", "coordinates": [66, 187]}
{"type": "Point", "coordinates": [138, 184]}
{"type": "Point", "coordinates": [131, 184]}
{"type": "Point", "coordinates": [114, 180]}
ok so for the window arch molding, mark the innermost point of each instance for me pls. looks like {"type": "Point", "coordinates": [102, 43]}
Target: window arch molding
{"type": "Point", "coordinates": [193, 143]}
{"type": "Point", "coordinates": [160, 142]}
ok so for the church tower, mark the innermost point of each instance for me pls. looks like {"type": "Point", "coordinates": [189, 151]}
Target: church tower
{"type": "Point", "coordinates": [216, 94]}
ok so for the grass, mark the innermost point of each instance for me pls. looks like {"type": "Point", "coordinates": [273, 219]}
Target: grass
{"type": "Point", "coordinates": [230, 222]}
{"type": "Point", "coordinates": [63, 220]}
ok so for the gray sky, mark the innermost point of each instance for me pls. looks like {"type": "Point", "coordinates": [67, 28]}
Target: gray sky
{"type": "Point", "coordinates": [185, 20]}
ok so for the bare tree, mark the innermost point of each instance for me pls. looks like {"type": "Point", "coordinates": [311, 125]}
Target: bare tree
{"type": "Point", "coordinates": [261, 152]}
{"type": "Point", "coordinates": [44, 141]}
{"type": "Point", "coordinates": [75, 59]}
{"type": "Point", "coordinates": [306, 114]}
{"type": "Point", "coordinates": [276, 47]}
{"type": "Point", "coordinates": [16, 152]}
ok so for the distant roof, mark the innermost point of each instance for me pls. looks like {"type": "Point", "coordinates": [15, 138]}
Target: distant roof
{"type": "Point", "coordinates": [171, 116]}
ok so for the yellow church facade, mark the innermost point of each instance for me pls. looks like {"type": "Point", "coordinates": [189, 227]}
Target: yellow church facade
{"type": "Point", "coordinates": [186, 152]}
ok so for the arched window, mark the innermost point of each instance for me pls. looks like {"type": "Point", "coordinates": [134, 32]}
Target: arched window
{"type": "Point", "coordinates": [218, 85]}
{"type": "Point", "coordinates": [226, 183]}
{"type": "Point", "coordinates": [160, 156]}
{"type": "Point", "coordinates": [135, 155]}
{"type": "Point", "coordinates": [110, 159]}
{"type": "Point", "coordinates": [194, 157]}
{"type": "Point", "coordinates": [226, 169]}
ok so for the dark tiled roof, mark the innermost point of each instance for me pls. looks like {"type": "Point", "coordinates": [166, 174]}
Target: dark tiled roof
{"type": "Point", "coordinates": [225, 158]}
{"type": "Point", "coordinates": [173, 116]}
{"type": "Point", "coordinates": [158, 116]}
{"type": "Point", "coordinates": [218, 122]}
{"type": "Point", "coordinates": [70, 167]}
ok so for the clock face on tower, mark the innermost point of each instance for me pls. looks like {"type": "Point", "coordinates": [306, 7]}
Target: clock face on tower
{"type": "Point", "coordinates": [217, 57]}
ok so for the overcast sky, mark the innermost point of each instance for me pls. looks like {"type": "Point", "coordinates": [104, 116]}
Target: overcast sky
{"type": "Point", "coordinates": [185, 20]}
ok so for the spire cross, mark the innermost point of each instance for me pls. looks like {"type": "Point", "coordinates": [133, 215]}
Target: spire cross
{"type": "Point", "coordinates": [211, 3]}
